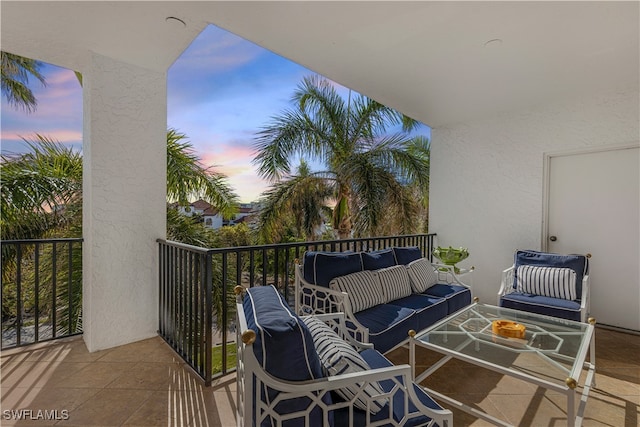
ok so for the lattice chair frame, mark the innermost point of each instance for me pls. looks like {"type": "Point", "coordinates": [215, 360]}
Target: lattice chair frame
{"type": "Point", "coordinates": [252, 410]}
{"type": "Point", "coordinates": [313, 299]}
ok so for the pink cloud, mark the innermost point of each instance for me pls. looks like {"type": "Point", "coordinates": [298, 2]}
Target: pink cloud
{"type": "Point", "coordinates": [65, 136]}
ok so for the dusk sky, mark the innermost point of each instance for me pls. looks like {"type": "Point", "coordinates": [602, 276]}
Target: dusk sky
{"type": "Point", "coordinates": [220, 93]}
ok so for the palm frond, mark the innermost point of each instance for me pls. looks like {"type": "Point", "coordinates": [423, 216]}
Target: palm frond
{"type": "Point", "coordinates": [188, 178]}
{"type": "Point", "coordinates": [16, 71]}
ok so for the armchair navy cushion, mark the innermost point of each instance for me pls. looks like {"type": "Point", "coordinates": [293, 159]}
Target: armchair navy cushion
{"type": "Point", "coordinates": [547, 283]}
{"type": "Point", "coordinates": [578, 263]}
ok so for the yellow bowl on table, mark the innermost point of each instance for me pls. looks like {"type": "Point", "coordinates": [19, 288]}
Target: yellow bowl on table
{"type": "Point", "coordinates": [508, 329]}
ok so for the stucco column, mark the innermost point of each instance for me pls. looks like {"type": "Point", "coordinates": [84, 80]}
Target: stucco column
{"type": "Point", "coordinates": [124, 191]}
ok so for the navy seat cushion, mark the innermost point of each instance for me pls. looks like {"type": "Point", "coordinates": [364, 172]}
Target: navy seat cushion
{"type": "Point", "coordinates": [378, 259]}
{"type": "Point", "coordinates": [377, 360]}
{"type": "Point", "coordinates": [457, 296]}
{"type": "Point", "coordinates": [578, 263]}
{"type": "Point", "coordinates": [388, 324]}
{"type": "Point", "coordinates": [283, 347]}
{"type": "Point", "coordinates": [429, 309]}
{"type": "Point", "coordinates": [321, 267]}
{"type": "Point", "coordinates": [540, 304]}
{"type": "Point", "coordinates": [404, 255]}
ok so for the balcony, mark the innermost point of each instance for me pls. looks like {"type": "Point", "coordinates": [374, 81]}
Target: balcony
{"type": "Point", "coordinates": [147, 384]}
{"type": "Point", "coordinates": [173, 379]}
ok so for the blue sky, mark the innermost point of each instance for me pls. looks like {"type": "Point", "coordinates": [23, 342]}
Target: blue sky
{"type": "Point", "coordinates": [220, 92]}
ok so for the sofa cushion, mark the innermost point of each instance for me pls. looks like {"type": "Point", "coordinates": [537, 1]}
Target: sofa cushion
{"type": "Point", "coordinates": [422, 275]}
{"type": "Point", "coordinates": [280, 335]}
{"type": "Point", "coordinates": [578, 263]}
{"type": "Point", "coordinates": [457, 296]}
{"type": "Point", "coordinates": [394, 281]}
{"type": "Point", "coordinates": [339, 358]}
{"type": "Point", "coordinates": [388, 325]}
{"type": "Point", "coordinates": [541, 304]}
{"type": "Point", "coordinates": [363, 287]}
{"type": "Point", "coordinates": [321, 267]}
{"type": "Point", "coordinates": [378, 259]}
{"type": "Point", "coordinates": [404, 255]}
{"type": "Point", "coordinates": [547, 281]}
{"type": "Point", "coordinates": [429, 309]}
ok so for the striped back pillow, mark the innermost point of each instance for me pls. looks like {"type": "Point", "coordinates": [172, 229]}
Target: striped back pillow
{"type": "Point", "coordinates": [363, 287]}
{"type": "Point", "coordinates": [422, 275]}
{"type": "Point", "coordinates": [337, 358]}
{"type": "Point", "coordinates": [548, 281]}
{"type": "Point", "coordinates": [395, 282]}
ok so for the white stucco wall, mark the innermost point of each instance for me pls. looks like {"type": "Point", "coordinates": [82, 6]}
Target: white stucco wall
{"type": "Point", "coordinates": [124, 200]}
{"type": "Point", "coordinates": [486, 189]}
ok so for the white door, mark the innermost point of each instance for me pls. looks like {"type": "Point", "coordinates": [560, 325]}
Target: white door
{"type": "Point", "coordinates": [594, 207]}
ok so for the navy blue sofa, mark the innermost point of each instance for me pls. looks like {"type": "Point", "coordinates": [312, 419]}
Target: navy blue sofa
{"type": "Point", "coordinates": [371, 288]}
{"type": "Point", "coordinates": [286, 376]}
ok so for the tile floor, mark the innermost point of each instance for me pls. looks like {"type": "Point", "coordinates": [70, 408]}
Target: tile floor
{"type": "Point", "coordinates": [146, 384]}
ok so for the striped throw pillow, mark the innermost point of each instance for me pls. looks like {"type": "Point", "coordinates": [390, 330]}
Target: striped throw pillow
{"type": "Point", "coordinates": [363, 287]}
{"type": "Point", "coordinates": [395, 282]}
{"type": "Point", "coordinates": [422, 275]}
{"type": "Point", "coordinates": [337, 358]}
{"type": "Point", "coordinates": [548, 281]}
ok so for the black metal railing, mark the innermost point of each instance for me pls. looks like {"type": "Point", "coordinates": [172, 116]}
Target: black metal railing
{"type": "Point", "coordinates": [197, 303]}
{"type": "Point", "coordinates": [41, 290]}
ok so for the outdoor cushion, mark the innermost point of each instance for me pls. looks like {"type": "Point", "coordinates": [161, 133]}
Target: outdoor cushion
{"type": "Point", "coordinates": [394, 281]}
{"type": "Point", "coordinates": [385, 323]}
{"type": "Point", "coordinates": [377, 360]}
{"type": "Point", "coordinates": [404, 255]}
{"type": "Point", "coordinates": [547, 281]}
{"type": "Point", "coordinates": [378, 259]}
{"type": "Point", "coordinates": [338, 358]}
{"type": "Point", "coordinates": [281, 335]}
{"type": "Point", "coordinates": [422, 275]}
{"type": "Point", "coordinates": [578, 263]}
{"type": "Point", "coordinates": [321, 267]}
{"type": "Point", "coordinates": [429, 309]}
{"type": "Point", "coordinates": [457, 296]}
{"type": "Point", "coordinates": [541, 304]}
{"type": "Point", "coordinates": [363, 287]}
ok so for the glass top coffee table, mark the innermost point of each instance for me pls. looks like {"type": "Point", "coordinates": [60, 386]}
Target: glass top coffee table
{"type": "Point", "coordinates": [548, 351]}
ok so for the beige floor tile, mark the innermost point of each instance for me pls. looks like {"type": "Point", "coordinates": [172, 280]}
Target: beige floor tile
{"type": "Point", "coordinates": [97, 375]}
{"type": "Point", "coordinates": [107, 408]}
{"type": "Point", "coordinates": [150, 376]}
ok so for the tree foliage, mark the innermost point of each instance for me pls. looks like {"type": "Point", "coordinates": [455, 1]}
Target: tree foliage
{"type": "Point", "coordinates": [16, 71]}
{"type": "Point", "coordinates": [369, 170]}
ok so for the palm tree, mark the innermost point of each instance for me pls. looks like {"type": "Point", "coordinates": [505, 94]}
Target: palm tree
{"type": "Point", "coordinates": [300, 201]}
{"type": "Point", "coordinates": [188, 179]}
{"type": "Point", "coordinates": [15, 71]}
{"type": "Point", "coordinates": [368, 170]}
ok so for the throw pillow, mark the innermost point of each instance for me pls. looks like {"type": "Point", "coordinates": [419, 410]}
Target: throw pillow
{"type": "Point", "coordinates": [422, 275]}
{"type": "Point", "coordinates": [395, 282]}
{"type": "Point", "coordinates": [337, 358]}
{"type": "Point", "coordinates": [548, 281]}
{"type": "Point", "coordinates": [363, 287]}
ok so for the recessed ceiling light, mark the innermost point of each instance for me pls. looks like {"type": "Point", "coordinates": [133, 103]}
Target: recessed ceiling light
{"type": "Point", "coordinates": [175, 22]}
{"type": "Point", "coordinates": [493, 42]}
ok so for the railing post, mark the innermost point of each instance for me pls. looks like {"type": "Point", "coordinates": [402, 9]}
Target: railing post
{"type": "Point", "coordinates": [208, 318]}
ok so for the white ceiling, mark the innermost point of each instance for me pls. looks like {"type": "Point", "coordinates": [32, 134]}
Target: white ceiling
{"type": "Point", "coordinates": [427, 59]}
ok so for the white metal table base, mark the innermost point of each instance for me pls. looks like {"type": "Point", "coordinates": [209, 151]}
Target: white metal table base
{"type": "Point", "coordinates": [574, 418]}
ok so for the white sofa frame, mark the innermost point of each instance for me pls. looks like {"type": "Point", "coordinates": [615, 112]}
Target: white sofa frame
{"type": "Point", "coordinates": [248, 397]}
{"type": "Point", "coordinates": [506, 287]}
